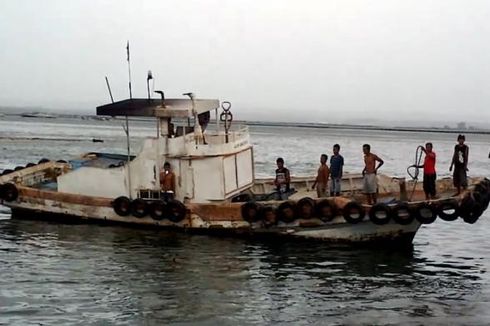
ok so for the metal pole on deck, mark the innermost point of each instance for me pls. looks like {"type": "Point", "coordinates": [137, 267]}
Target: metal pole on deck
{"type": "Point", "coordinates": [129, 71]}
{"type": "Point", "coordinates": [109, 88]}
{"type": "Point", "coordinates": [127, 122]}
{"type": "Point", "coordinates": [129, 156]}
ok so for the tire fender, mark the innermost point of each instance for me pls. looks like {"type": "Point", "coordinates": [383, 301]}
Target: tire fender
{"type": "Point", "coordinates": [353, 212]}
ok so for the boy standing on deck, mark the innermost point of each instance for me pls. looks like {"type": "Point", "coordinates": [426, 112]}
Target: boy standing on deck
{"type": "Point", "coordinates": [321, 181]}
{"type": "Point", "coordinates": [282, 180]}
{"type": "Point", "coordinates": [429, 172]}
{"type": "Point", "coordinates": [167, 182]}
{"type": "Point", "coordinates": [370, 186]}
{"type": "Point", "coordinates": [336, 170]}
{"type": "Point", "coordinates": [460, 162]}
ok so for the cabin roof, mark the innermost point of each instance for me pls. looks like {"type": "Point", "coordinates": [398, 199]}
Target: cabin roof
{"type": "Point", "coordinates": [174, 108]}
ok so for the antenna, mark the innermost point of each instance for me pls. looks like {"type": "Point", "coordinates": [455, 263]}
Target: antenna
{"type": "Point", "coordinates": [129, 71]}
{"type": "Point", "coordinates": [109, 88]}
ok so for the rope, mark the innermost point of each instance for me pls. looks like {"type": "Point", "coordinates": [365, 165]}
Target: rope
{"type": "Point", "coordinates": [416, 168]}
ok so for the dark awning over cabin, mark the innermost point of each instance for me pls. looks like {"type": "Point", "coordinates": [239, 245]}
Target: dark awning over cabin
{"type": "Point", "coordinates": [174, 108]}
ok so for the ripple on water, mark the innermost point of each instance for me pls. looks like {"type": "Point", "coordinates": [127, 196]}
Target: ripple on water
{"type": "Point", "coordinates": [88, 274]}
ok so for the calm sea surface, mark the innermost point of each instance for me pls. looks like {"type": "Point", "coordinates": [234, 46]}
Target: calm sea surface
{"type": "Point", "coordinates": [52, 274]}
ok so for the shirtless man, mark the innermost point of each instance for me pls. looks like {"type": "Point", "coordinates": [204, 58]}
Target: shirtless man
{"type": "Point", "coordinates": [321, 181]}
{"type": "Point", "coordinates": [370, 186]}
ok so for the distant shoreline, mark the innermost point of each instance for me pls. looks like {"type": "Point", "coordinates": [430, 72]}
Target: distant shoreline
{"type": "Point", "coordinates": [279, 124]}
{"type": "Point", "coordinates": [367, 127]}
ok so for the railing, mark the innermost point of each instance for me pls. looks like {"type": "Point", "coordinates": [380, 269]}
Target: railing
{"type": "Point", "coordinates": [219, 137]}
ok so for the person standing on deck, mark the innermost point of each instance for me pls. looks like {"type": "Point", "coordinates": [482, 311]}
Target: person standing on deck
{"type": "Point", "coordinates": [203, 120]}
{"type": "Point", "coordinates": [429, 172]}
{"type": "Point", "coordinates": [460, 163]}
{"type": "Point", "coordinates": [336, 171]}
{"type": "Point", "coordinates": [282, 180]}
{"type": "Point", "coordinates": [370, 185]}
{"type": "Point", "coordinates": [321, 181]}
{"type": "Point", "coordinates": [167, 182]}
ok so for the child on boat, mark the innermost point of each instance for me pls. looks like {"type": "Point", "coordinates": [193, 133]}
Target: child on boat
{"type": "Point", "coordinates": [336, 169]}
{"type": "Point", "coordinates": [282, 180]}
{"type": "Point", "coordinates": [167, 182]}
{"type": "Point", "coordinates": [321, 181]}
{"type": "Point", "coordinates": [460, 163]}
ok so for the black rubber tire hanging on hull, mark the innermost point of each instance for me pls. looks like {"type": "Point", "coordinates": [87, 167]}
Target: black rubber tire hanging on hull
{"type": "Point", "coordinates": [466, 206]}
{"type": "Point", "coordinates": [139, 208]}
{"type": "Point", "coordinates": [380, 214]}
{"type": "Point", "coordinates": [18, 168]}
{"type": "Point", "coordinates": [425, 213]}
{"type": "Point", "coordinates": [122, 206]}
{"type": "Point", "coordinates": [448, 211]}
{"type": "Point", "coordinates": [305, 208]}
{"type": "Point", "coordinates": [286, 212]}
{"type": "Point", "coordinates": [7, 171]}
{"type": "Point", "coordinates": [402, 214]}
{"type": "Point", "coordinates": [176, 211]}
{"type": "Point", "coordinates": [325, 210]}
{"type": "Point", "coordinates": [9, 192]}
{"type": "Point", "coordinates": [158, 209]}
{"type": "Point", "coordinates": [251, 212]}
{"type": "Point", "coordinates": [353, 212]}
{"type": "Point", "coordinates": [268, 215]}
{"type": "Point", "coordinates": [43, 160]}
{"type": "Point", "coordinates": [28, 165]}
{"type": "Point", "coordinates": [471, 209]}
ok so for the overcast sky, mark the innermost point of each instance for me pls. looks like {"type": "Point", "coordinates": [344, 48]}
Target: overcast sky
{"type": "Point", "coordinates": [330, 60]}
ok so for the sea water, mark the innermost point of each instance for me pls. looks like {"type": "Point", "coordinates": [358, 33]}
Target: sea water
{"type": "Point", "coordinates": [55, 274]}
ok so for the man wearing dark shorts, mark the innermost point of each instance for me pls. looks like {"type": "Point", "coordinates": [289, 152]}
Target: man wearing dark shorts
{"type": "Point", "coordinates": [460, 163]}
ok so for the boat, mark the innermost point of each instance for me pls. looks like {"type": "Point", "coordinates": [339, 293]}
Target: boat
{"type": "Point", "coordinates": [216, 191]}
{"type": "Point", "coordinates": [38, 115]}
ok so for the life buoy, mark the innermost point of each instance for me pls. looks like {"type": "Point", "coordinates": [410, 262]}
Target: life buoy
{"type": "Point", "coordinates": [122, 206]}
{"type": "Point", "coordinates": [43, 160]}
{"type": "Point", "coordinates": [18, 168]}
{"type": "Point", "coordinates": [353, 212]}
{"type": "Point", "coordinates": [7, 171]}
{"type": "Point", "coordinates": [250, 212]}
{"type": "Point", "coordinates": [176, 211]}
{"type": "Point", "coordinates": [286, 212]}
{"type": "Point", "coordinates": [380, 214]}
{"type": "Point", "coordinates": [139, 208]}
{"type": "Point", "coordinates": [402, 214]}
{"type": "Point", "coordinates": [325, 210]}
{"type": "Point", "coordinates": [425, 213]}
{"type": "Point", "coordinates": [158, 210]}
{"type": "Point", "coordinates": [305, 208]}
{"type": "Point", "coordinates": [28, 165]}
{"type": "Point", "coordinates": [9, 192]}
{"type": "Point", "coordinates": [448, 210]}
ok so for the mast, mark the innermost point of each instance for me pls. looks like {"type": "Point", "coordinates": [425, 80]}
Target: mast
{"type": "Point", "coordinates": [127, 123]}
